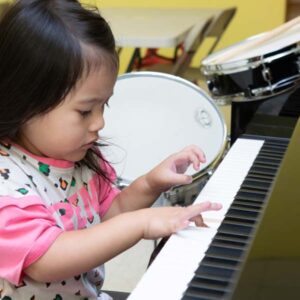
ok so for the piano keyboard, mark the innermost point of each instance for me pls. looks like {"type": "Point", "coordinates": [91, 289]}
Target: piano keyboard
{"type": "Point", "coordinates": [172, 271]}
{"type": "Point", "coordinates": [214, 277]}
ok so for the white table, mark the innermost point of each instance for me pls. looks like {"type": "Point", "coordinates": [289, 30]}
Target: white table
{"type": "Point", "coordinates": [154, 27]}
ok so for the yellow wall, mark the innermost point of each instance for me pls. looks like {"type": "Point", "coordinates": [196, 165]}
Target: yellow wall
{"type": "Point", "coordinates": [252, 17]}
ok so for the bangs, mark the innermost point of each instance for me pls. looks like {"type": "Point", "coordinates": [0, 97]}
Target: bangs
{"type": "Point", "coordinates": [93, 59]}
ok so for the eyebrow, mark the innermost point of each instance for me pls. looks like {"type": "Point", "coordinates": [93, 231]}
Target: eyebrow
{"type": "Point", "coordinates": [93, 100]}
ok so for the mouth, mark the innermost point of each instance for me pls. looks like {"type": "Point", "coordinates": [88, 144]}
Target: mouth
{"type": "Point", "coordinates": [90, 144]}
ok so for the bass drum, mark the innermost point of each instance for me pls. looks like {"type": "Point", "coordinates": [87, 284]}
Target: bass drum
{"type": "Point", "coordinates": [152, 115]}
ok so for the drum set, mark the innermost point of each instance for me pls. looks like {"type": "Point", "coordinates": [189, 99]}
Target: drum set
{"type": "Point", "coordinates": [153, 115]}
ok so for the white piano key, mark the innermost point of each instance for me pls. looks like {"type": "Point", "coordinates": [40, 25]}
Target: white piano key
{"type": "Point", "coordinates": [227, 179]}
{"type": "Point", "coordinates": [171, 271]}
{"type": "Point", "coordinates": [174, 267]}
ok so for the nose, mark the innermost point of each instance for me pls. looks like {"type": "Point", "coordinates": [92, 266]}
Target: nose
{"type": "Point", "coordinates": [97, 121]}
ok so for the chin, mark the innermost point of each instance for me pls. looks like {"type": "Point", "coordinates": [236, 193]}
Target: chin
{"type": "Point", "coordinates": [75, 157]}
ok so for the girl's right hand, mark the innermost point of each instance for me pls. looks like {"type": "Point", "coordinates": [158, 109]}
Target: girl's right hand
{"type": "Point", "coordinates": [163, 221]}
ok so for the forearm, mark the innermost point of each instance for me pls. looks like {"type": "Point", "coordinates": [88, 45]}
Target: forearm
{"type": "Point", "coordinates": [136, 196]}
{"type": "Point", "coordinates": [87, 248]}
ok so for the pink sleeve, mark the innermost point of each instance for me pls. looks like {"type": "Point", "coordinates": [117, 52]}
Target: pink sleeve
{"type": "Point", "coordinates": [27, 230]}
{"type": "Point", "coordinates": [107, 191]}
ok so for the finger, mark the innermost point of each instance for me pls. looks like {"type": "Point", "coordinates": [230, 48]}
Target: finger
{"type": "Point", "coordinates": [198, 220]}
{"type": "Point", "coordinates": [185, 159]}
{"type": "Point", "coordinates": [193, 159]}
{"type": "Point", "coordinates": [201, 157]}
{"type": "Point", "coordinates": [197, 151]}
{"type": "Point", "coordinates": [200, 154]}
{"type": "Point", "coordinates": [197, 209]}
{"type": "Point", "coordinates": [182, 225]}
{"type": "Point", "coordinates": [180, 179]}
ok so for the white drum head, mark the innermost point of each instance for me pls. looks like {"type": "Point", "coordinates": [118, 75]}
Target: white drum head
{"type": "Point", "coordinates": [253, 48]}
{"type": "Point", "coordinates": [152, 115]}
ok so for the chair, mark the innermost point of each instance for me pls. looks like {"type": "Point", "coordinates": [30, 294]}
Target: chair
{"type": "Point", "coordinates": [219, 25]}
{"type": "Point", "coordinates": [215, 29]}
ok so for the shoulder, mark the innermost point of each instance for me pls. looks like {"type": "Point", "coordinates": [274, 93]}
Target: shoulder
{"type": "Point", "coordinates": [14, 180]}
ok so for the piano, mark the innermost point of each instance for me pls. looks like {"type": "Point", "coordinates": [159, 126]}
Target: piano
{"type": "Point", "coordinates": [250, 248]}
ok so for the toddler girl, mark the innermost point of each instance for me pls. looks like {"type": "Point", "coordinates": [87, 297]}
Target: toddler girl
{"type": "Point", "coordinates": [61, 217]}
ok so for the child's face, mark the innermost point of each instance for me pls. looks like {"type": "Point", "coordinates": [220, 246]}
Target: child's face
{"type": "Point", "coordinates": [68, 131]}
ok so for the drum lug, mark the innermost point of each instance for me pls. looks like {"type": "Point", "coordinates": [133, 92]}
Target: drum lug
{"type": "Point", "coordinates": [267, 75]}
{"type": "Point", "coordinates": [210, 172]}
{"type": "Point", "coordinates": [211, 84]}
{"type": "Point", "coordinates": [228, 142]}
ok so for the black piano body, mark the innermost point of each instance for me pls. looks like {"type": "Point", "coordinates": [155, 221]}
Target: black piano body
{"type": "Point", "coordinates": [274, 115]}
{"type": "Point", "coordinates": [271, 267]}
{"type": "Point", "coordinates": [256, 253]}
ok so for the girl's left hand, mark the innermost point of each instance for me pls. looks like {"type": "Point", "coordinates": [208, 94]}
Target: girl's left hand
{"type": "Point", "coordinates": [170, 172]}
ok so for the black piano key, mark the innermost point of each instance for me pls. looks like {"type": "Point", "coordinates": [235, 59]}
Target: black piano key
{"type": "Point", "coordinates": [277, 141]}
{"type": "Point", "coordinates": [226, 244]}
{"type": "Point", "coordinates": [185, 297]}
{"type": "Point", "coordinates": [250, 194]}
{"type": "Point", "coordinates": [268, 161]}
{"type": "Point", "coordinates": [202, 294]}
{"type": "Point", "coordinates": [220, 262]}
{"type": "Point", "coordinates": [237, 222]}
{"type": "Point", "coordinates": [245, 206]}
{"type": "Point", "coordinates": [226, 227]}
{"type": "Point", "coordinates": [228, 253]}
{"type": "Point", "coordinates": [249, 202]}
{"type": "Point", "coordinates": [272, 154]}
{"type": "Point", "coordinates": [274, 147]}
{"type": "Point", "coordinates": [260, 176]}
{"type": "Point", "coordinates": [266, 170]}
{"type": "Point", "coordinates": [257, 184]}
{"type": "Point", "coordinates": [267, 167]}
{"type": "Point", "coordinates": [244, 214]}
{"type": "Point", "coordinates": [217, 284]}
{"type": "Point", "coordinates": [207, 287]}
{"type": "Point", "coordinates": [229, 244]}
{"type": "Point", "coordinates": [214, 273]}
{"type": "Point", "coordinates": [231, 238]}
{"type": "Point", "coordinates": [249, 198]}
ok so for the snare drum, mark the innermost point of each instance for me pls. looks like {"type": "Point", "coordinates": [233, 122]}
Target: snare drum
{"type": "Point", "coordinates": [267, 69]}
{"type": "Point", "coordinates": [152, 115]}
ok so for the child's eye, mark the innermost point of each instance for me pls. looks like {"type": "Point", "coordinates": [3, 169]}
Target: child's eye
{"type": "Point", "coordinates": [85, 113]}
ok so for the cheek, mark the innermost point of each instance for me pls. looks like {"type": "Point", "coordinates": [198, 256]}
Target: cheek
{"type": "Point", "coordinates": [66, 133]}
{"type": "Point", "coordinates": [70, 128]}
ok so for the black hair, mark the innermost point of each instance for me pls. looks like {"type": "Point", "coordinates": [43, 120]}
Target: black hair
{"type": "Point", "coordinates": [42, 57]}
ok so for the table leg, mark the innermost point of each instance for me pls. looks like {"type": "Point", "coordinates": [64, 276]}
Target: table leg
{"type": "Point", "coordinates": [136, 55]}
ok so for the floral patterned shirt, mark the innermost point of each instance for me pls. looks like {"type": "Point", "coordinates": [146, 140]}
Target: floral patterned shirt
{"type": "Point", "coordinates": [39, 199]}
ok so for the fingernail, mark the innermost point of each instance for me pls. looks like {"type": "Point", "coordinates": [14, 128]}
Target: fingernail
{"type": "Point", "coordinates": [189, 179]}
